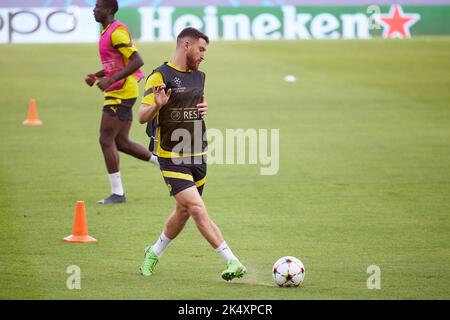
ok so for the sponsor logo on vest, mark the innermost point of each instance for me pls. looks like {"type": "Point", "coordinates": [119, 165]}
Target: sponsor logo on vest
{"type": "Point", "coordinates": [177, 82]}
{"type": "Point", "coordinates": [109, 65]}
{"type": "Point", "coordinates": [185, 115]}
{"type": "Point", "coordinates": [191, 114]}
{"type": "Point", "coordinates": [175, 115]}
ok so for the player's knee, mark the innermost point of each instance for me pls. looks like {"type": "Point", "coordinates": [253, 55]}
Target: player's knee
{"type": "Point", "coordinates": [105, 141]}
{"type": "Point", "coordinates": [123, 145]}
{"type": "Point", "coordinates": [182, 211]}
{"type": "Point", "coordinates": [196, 211]}
{"type": "Point", "coordinates": [184, 214]}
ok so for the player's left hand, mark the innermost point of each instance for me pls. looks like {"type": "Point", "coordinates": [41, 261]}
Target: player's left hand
{"type": "Point", "coordinates": [104, 83]}
{"type": "Point", "coordinates": [203, 107]}
{"type": "Point", "coordinates": [90, 79]}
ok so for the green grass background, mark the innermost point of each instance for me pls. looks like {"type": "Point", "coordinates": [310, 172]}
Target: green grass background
{"type": "Point", "coordinates": [364, 175]}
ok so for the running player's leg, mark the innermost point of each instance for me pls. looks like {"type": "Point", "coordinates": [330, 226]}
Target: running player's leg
{"type": "Point", "coordinates": [192, 202]}
{"type": "Point", "coordinates": [174, 225]}
{"type": "Point", "coordinates": [176, 222]}
{"type": "Point", "coordinates": [109, 128]}
{"type": "Point", "coordinates": [125, 145]}
{"type": "Point", "coordinates": [172, 228]}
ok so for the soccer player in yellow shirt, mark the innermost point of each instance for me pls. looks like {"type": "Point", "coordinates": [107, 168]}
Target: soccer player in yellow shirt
{"type": "Point", "coordinates": [174, 106]}
{"type": "Point", "coordinates": [119, 80]}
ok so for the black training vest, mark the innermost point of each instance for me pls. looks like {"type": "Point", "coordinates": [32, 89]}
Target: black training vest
{"type": "Point", "coordinates": [180, 112]}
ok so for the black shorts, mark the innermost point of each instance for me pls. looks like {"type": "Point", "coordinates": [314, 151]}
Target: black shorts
{"type": "Point", "coordinates": [182, 176]}
{"type": "Point", "coordinates": [123, 110]}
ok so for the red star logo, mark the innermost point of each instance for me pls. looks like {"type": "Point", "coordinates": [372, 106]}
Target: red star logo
{"type": "Point", "coordinates": [396, 24]}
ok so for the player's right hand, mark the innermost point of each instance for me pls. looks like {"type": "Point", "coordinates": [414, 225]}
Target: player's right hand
{"type": "Point", "coordinates": [90, 79]}
{"type": "Point", "coordinates": [161, 95]}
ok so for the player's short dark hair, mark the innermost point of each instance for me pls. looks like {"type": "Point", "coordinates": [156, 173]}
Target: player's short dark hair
{"type": "Point", "coordinates": [112, 4]}
{"type": "Point", "coordinates": [192, 33]}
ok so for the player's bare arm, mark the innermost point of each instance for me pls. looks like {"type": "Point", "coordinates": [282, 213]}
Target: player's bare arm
{"type": "Point", "coordinates": [148, 112]}
{"type": "Point", "coordinates": [91, 78]}
{"type": "Point", "coordinates": [135, 63]}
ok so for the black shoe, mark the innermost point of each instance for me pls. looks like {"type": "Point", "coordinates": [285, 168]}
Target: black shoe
{"type": "Point", "coordinates": [114, 198]}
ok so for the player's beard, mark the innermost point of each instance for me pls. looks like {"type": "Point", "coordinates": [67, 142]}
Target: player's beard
{"type": "Point", "coordinates": [192, 64]}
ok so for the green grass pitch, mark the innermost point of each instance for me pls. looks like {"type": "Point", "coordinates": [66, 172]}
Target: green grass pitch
{"type": "Point", "coordinates": [364, 175]}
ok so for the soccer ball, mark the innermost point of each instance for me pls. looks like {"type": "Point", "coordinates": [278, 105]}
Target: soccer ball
{"type": "Point", "coordinates": [288, 272]}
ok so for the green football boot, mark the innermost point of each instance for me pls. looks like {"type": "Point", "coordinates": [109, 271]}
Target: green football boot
{"type": "Point", "coordinates": [150, 260]}
{"type": "Point", "coordinates": [234, 269]}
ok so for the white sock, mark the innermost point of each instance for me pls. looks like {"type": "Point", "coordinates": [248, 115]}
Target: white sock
{"type": "Point", "coordinates": [225, 252]}
{"type": "Point", "coordinates": [153, 159]}
{"type": "Point", "coordinates": [116, 183]}
{"type": "Point", "coordinates": [161, 245]}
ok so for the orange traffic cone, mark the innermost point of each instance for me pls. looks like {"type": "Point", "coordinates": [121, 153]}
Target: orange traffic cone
{"type": "Point", "coordinates": [33, 119]}
{"type": "Point", "coordinates": [80, 228]}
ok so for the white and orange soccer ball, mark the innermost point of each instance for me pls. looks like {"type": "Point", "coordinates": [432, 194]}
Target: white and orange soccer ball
{"type": "Point", "coordinates": [288, 272]}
